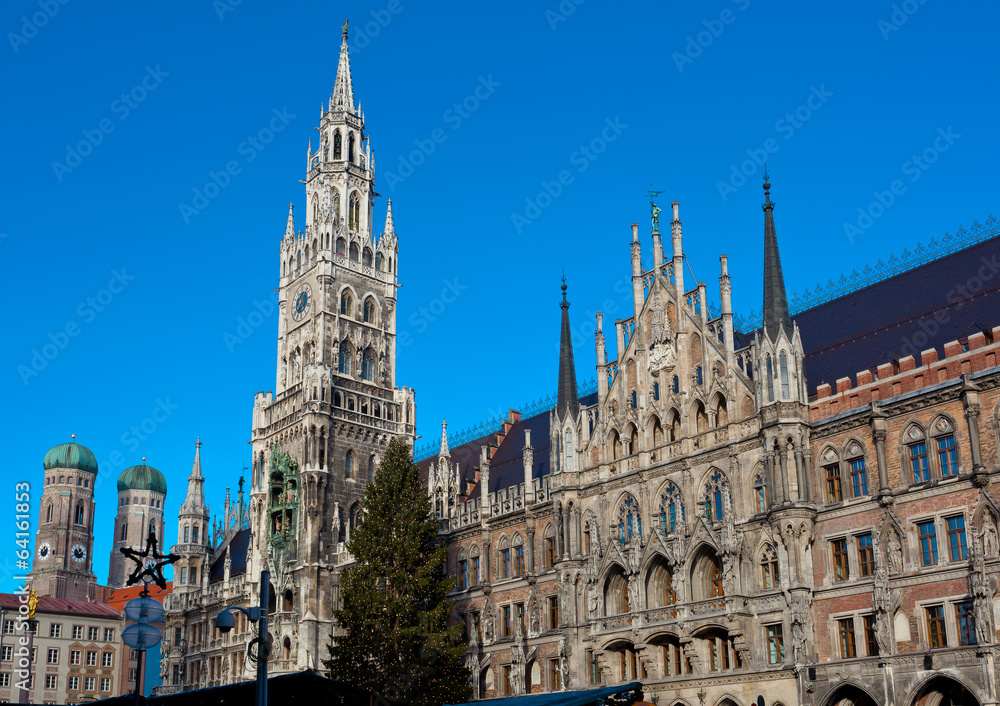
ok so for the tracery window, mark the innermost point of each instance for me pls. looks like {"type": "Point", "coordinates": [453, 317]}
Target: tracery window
{"type": "Point", "coordinates": [344, 358]}
{"type": "Point", "coordinates": [337, 145]}
{"type": "Point", "coordinates": [770, 380]}
{"type": "Point", "coordinates": [346, 303]}
{"type": "Point", "coordinates": [368, 365]}
{"type": "Point", "coordinates": [371, 468]}
{"type": "Point", "coordinates": [671, 509]}
{"type": "Point", "coordinates": [783, 365]}
{"type": "Point", "coordinates": [349, 464]}
{"type": "Point", "coordinates": [369, 310]}
{"type": "Point", "coordinates": [769, 567]}
{"type": "Point", "coordinates": [760, 492]}
{"type": "Point", "coordinates": [629, 521]}
{"type": "Point", "coordinates": [716, 494]}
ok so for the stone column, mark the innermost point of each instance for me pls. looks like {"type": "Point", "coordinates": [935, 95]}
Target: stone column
{"type": "Point", "coordinates": [578, 531]}
{"type": "Point", "coordinates": [783, 464]}
{"type": "Point", "coordinates": [970, 400]}
{"type": "Point", "coordinates": [769, 476]}
{"type": "Point", "coordinates": [530, 549]}
{"type": "Point", "coordinates": [567, 534]}
{"type": "Point", "coordinates": [800, 476]}
{"type": "Point", "coordinates": [559, 530]}
{"type": "Point", "coordinates": [883, 472]}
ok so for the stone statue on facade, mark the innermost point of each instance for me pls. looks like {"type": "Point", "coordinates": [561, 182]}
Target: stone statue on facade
{"type": "Point", "coordinates": [592, 600]}
{"type": "Point", "coordinates": [991, 545]}
{"type": "Point", "coordinates": [746, 654]}
{"type": "Point", "coordinates": [894, 553]}
{"type": "Point", "coordinates": [662, 353]}
{"type": "Point", "coordinates": [882, 603]}
{"type": "Point", "coordinates": [488, 634]}
{"type": "Point", "coordinates": [633, 593]}
{"type": "Point", "coordinates": [564, 662]}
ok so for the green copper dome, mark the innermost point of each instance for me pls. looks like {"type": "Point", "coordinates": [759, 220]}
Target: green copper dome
{"type": "Point", "coordinates": [142, 477]}
{"type": "Point", "coordinates": [70, 455]}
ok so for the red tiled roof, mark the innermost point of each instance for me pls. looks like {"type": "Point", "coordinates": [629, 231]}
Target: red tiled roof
{"type": "Point", "coordinates": [120, 596]}
{"type": "Point", "coordinates": [47, 604]}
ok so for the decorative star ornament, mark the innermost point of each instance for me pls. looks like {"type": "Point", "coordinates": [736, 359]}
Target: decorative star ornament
{"type": "Point", "coordinates": [149, 562]}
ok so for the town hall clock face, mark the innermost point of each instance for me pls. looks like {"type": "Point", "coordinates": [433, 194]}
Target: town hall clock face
{"type": "Point", "coordinates": [79, 552]}
{"type": "Point", "coordinates": [301, 302]}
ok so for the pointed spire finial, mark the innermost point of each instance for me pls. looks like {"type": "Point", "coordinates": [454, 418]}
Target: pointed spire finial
{"type": "Point", "coordinates": [344, 33]}
{"type": "Point", "coordinates": [390, 228]}
{"type": "Point", "coordinates": [73, 437]}
{"type": "Point", "coordinates": [343, 93]}
{"type": "Point", "coordinates": [143, 460]}
{"type": "Point", "coordinates": [567, 401]}
{"type": "Point", "coordinates": [776, 315]}
{"type": "Point", "coordinates": [444, 439]}
{"type": "Point", "coordinates": [290, 225]}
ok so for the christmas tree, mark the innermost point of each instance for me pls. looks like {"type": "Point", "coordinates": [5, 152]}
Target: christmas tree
{"type": "Point", "coordinates": [394, 600]}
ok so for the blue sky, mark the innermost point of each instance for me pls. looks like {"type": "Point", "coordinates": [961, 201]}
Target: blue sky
{"type": "Point", "coordinates": [116, 114]}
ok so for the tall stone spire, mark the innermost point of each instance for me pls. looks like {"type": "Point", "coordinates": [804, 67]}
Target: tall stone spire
{"type": "Point", "coordinates": [194, 501]}
{"type": "Point", "coordinates": [343, 92]}
{"type": "Point", "coordinates": [567, 403]}
{"type": "Point", "coordinates": [390, 229]}
{"type": "Point", "coordinates": [290, 226]}
{"type": "Point", "coordinates": [444, 440]}
{"type": "Point", "coordinates": [775, 302]}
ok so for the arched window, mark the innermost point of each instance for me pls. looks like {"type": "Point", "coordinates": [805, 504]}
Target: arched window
{"type": "Point", "coordinates": [721, 412]}
{"type": "Point", "coordinates": [48, 513]}
{"type": "Point", "coordinates": [783, 367]}
{"type": "Point", "coordinates": [286, 649]}
{"type": "Point", "coordinates": [337, 401]}
{"type": "Point", "coordinates": [366, 257]}
{"type": "Point", "coordinates": [671, 509]}
{"type": "Point", "coordinates": [350, 148]}
{"type": "Point", "coordinates": [79, 513]}
{"type": "Point", "coordinates": [194, 534]}
{"type": "Point", "coordinates": [368, 365]}
{"type": "Point", "coordinates": [298, 260]}
{"type": "Point", "coordinates": [518, 555]}
{"type": "Point", "coordinates": [700, 417]}
{"type": "Point", "coordinates": [288, 600]}
{"type": "Point", "coordinates": [716, 492]}
{"type": "Point", "coordinates": [770, 380]}
{"type": "Point", "coordinates": [769, 567]}
{"type": "Point", "coordinates": [349, 464]}
{"type": "Point", "coordinates": [944, 444]}
{"type": "Point", "coordinates": [629, 521]}
{"type": "Point", "coordinates": [152, 527]}
{"type": "Point", "coordinates": [346, 303]}
{"type": "Point", "coordinates": [504, 559]}
{"type": "Point", "coordinates": [341, 247]}
{"type": "Point", "coordinates": [371, 468]}
{"type": "Point", "coordinates": [378, 261]}
{"type": "Point", "coordinates": [354, 211]}
{"type": "Point", "coordinates": [659, 586]}
{"type": "Point", "coordinates": [369, 311]}
{"type": "Point", "coordinates": [124, 533]}
{"type": "Point", "coordinates": [336, 211]}
{"type": "Point", "coordinates": [656, 432]}
{"type": "Point", "coordinates": [568, 446]}
{"type": "Point", "coordinates": [616, 445]}
{"type": "Point", "coordinates": [716, 581]}
{"type": "Point", "coordinates": [760, 493]}
{"type": "Point", "coordinates": [337, 145]}
{"type": "Point", "coordinates": [187, 534]}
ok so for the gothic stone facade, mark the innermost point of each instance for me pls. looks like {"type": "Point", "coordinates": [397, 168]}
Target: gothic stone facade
{"type": "Point", "coordinates": [705, 527]}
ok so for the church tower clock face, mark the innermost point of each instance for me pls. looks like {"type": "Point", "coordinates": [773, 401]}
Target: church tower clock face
{"type": "Point", "coordinates": [301, 302]}
{"type": "Point", "coordinates": [44, 550]}
{"type": "Point", "coordinates": [79, 553]}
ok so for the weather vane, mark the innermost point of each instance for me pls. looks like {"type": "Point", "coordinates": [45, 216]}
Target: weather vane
{"type": "Point", "coordinates": [654, 209]}
{"type": "Point", "coordinates": [149, 562]}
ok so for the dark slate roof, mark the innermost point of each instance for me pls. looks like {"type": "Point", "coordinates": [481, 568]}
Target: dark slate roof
{"type": "Point", "coordinates": [239, 546]}
{"type": "Point", "coordinates": [305, 687]}
{"type": "Point", "coordinates": [579, 697]}
{"type": "Point", "coordinates": [926, 307]}
{"type": "Point", "coordinates": [506, 467]}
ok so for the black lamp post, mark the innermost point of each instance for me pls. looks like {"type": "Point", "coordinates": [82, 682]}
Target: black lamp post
{"type": "Point", "coordinates": [225, 621]}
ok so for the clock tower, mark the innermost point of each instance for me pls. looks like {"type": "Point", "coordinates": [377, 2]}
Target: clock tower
{"type": "Point", "coordinates": [64, 543]}
{"type": "Point", "coordinates": [319, 437]}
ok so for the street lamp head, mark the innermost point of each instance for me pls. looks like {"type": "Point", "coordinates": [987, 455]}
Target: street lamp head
{"type": "Point", "coordinates": [225, 621]}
